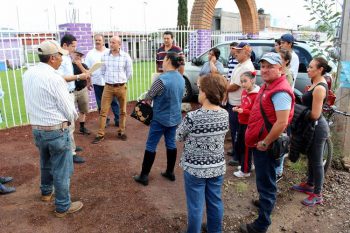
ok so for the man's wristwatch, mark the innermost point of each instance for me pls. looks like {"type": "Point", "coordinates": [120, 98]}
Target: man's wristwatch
{"type": "Point", "coordinates": [78, 77]}
{"type": "Point", "coordinates": [263, 143]}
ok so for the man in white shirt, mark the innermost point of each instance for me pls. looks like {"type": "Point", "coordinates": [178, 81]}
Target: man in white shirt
{"type": "Point", "coordinates": [50, 111]}
{"type": "Point", "coordinates": [116, 71]}
{"type": "Point", "coordinates": [287, 42]}
{"type": "Point", "coordinates": [69, 43]}
{"type": "Point", "coordinates": [243, 52]}
{"type": "Point", "coordinates": [92, 57]}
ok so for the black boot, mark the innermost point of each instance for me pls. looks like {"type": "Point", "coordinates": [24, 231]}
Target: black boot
{"type": "Point", "coordinates": [171, 160]}
{"type": "Point", "coordinates": [147, 163]}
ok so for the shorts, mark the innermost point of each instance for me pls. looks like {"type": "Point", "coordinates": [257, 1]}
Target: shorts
{"type": "Point", "coordinates": [82, 100]}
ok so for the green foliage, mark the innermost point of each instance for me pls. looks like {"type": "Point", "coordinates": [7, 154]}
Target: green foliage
{"type": "Point", "coordinates": [324, 14]}
{"type": "Point", "coordinates": [300, 167]}
{"type": "Point", "coordinates": [182, 13]}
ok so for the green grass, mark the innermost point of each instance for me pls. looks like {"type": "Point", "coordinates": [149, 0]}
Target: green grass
{"type": "Point", "coordinates": [300, 166]}
{"type": "Point", "coordinates": [16, 115]}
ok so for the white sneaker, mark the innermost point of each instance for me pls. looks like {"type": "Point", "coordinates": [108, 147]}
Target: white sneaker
{"type": "Point", "coordinates": [252, 168]}
{"type": "Point", "coordinates": [241, 174]}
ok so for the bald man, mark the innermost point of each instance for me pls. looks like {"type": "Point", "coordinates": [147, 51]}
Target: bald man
{"type": "Point", "coordinates": [116, 71]}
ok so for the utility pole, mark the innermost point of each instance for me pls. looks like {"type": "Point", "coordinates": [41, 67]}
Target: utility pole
{"type": "Point", "coordinates": [343, 93]}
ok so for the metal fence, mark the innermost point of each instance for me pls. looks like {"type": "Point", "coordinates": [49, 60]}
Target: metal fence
{"type": "Point", "coordinates": [17, 54]}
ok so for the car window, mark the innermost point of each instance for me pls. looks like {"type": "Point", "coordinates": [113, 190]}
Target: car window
{"type": "Point", "coordinates": [260, 50]}
{"type": "Point", "coordinates": [304, 58]}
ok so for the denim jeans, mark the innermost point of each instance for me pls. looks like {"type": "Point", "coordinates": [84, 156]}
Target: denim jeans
{"type": "Point", "coordinates": [56, 165]}
{"type": "Point", "coordinates": [233, 120]}
{"type": "Point", "coordinates": [265, 169]}
{"type": "Point", "coordinates": [156, 131]}
{"type": "Point", "coordinates": [114, 105]}
{"type": "Point", "coordinates": [200, 189]}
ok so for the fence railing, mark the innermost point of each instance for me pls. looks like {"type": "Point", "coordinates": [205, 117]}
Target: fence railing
{"type": "Point", "coordinates": [17, 54]}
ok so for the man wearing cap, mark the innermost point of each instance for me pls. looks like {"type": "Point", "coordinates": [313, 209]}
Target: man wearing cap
{"type": "Point", "coordinates": [81, 89]}
{"type": "Point", "coordinates": [287, 42]}
{"type": "Point", "coordinates": [243, 52]}
{"type": "Point", "coordinates": [276, 98]}
{"type": "Point", "coordinates": [69, 43]}
{"type": "Point", "coordinates": [92, 57]}
{"type": "Point", "coordinates": [50, 111]}
{"type": "Point", "coordinates": [116, 71]}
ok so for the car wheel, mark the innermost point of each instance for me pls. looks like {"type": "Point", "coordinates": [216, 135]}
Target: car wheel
{"type": "Point", "coordinates": [187, 92]}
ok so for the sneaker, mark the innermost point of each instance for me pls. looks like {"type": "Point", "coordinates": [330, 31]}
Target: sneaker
{"type": "Point", "coordinates": [303, 187]}
{"type": "Point", "coordinates": [47, 198]}
{"type": "Point", "coordinates": [279, 177]}
{"type": "Point", "coordinates": [78, 149]}
{"type": "Point", "coordinates": [122, 137]}
{"type": "Point", "coordinates": [74, 207]}
{"type": "Point", "coordinates": [84, 131]}
{"type": "Point", "coordinates": [98, 139]}
{"type": "Point", "coordinates": [313, 200]}
{"type": "Point", "coordinates": [6, 190]}
{"type": "Point", "coordinates": [241, 174]}
{"type": "Point", "coordinates": [78, 159]}
{"type": "Point", "coordinates": [5, 179]}
{"type": "Point", "coordinates": [252, 168]}
{"type": "Point", "coordinates": [233, 162]}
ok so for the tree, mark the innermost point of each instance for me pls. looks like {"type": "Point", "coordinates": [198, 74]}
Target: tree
{"type": "Point", "coordinates": [182, 13]}
{"type": "Point", "coordinates": [325, 15]}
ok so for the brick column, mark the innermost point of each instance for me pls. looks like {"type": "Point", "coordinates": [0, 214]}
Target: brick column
{"type": "Point", "coordinates": [83, 33]}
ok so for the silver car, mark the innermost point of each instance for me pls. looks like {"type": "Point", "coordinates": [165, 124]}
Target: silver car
{"type": "Point", "coordinates": [259, 47]}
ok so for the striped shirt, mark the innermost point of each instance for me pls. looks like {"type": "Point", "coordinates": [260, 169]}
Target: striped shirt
{"type": "Point", "coordinates": [232, 63]}
{"type": "Point", "coordinates": [116, 68]}
{"type": "Point", "coordinates": [161, 53]}
{"type": "Point", "coordinates": [66, 69]}
{"type": "Point", "coordinates": [46, 97]}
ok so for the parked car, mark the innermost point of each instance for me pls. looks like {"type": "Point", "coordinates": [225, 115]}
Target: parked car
{"type": "Point", "coordinates": [259, 47]}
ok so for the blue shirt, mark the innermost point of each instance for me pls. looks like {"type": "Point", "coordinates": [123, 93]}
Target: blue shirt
{"type": "Point", "coordinates": [282, 101]}
{"type": "Point", "coordinates": [206, 68]}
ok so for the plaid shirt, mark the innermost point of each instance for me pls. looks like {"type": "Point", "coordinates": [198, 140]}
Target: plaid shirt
{"type": "Point", "coordinates": [116, 69]}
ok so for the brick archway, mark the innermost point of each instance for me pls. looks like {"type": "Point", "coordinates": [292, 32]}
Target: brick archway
{"type": "Point", "coordinates": [203, 11]}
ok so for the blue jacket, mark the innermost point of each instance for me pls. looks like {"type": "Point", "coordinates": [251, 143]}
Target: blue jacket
{"type": "Point", "coordinates": [167, 106]}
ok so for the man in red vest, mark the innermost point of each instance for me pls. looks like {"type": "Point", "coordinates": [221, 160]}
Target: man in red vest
{"type": "Point", "coordinates": [277, 100]}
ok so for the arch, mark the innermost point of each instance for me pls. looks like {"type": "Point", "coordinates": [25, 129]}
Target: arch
{"type": "Point", "coordinates": [203, 11]}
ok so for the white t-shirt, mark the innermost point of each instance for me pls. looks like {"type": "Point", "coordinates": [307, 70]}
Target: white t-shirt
{"type": "Point", "coordinates": [91, 58]}
{"type": "Point", "coordinates": [234, 98]}
{"type": "Point", "coordinates": [294, 66]}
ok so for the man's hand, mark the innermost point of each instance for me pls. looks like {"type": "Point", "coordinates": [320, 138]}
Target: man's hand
{"type": "Point", "coordinates": [261, 146]}
{"type": "Point", "coordinates": [84, 76]}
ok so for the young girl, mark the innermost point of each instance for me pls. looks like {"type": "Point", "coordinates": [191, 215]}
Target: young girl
{"type": "Point", "coordinates": [250, 90]}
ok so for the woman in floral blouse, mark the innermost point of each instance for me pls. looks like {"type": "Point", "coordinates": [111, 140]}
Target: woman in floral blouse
{"type": "Point", "coordinates": [203, 132]}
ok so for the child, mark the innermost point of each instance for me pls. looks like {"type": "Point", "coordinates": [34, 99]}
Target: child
{"type": "Point", "coordinates": [250, 91]}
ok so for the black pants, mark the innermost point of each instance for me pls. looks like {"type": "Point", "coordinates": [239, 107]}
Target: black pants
{"type": "Point", "coordinates": [244, 153]}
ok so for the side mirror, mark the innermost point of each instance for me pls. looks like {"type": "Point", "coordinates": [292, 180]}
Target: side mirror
{"type": "Point", "coordinates": [194, 61]}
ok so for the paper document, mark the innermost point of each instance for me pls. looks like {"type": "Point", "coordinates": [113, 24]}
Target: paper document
{"type": "Point", "coordinates": [95, 67]}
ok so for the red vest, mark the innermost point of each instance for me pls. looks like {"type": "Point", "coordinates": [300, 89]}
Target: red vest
{"type": "Point", "coordinates": [256, 130]}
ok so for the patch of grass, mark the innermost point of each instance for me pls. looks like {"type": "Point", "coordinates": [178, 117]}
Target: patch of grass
{"type": "Point", "coordinates": [299, 167]}
{"type": "Point", "coordinates": [241, 187]}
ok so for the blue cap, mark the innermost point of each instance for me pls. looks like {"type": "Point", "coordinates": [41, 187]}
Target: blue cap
{"type": "Point", "coordinates": [272, 58]}
{"type": "Point", "coordinates": [287, 38]}
{"type": "Point", "coordinates": [243, 45]}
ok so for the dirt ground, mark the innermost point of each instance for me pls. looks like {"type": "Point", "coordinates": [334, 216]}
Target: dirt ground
{"type": "Point", "coordinates": [113, 202]}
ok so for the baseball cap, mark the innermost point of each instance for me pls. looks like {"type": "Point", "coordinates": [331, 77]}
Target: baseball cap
{"type": "Point", "coordinates": [79, 51]}
{"type": "Point", "coordinates": [287, 38]}
{"type": "Point", "coordinates": [49, 47]}
{"type": "Point", "coordinates": [243, 45]}
{"type": "Point", "coordinates": [272, 58]}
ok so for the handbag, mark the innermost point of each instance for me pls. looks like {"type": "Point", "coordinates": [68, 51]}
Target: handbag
{"type": "Point", "coordinates": [142, 112]}
{"type": "Point", "coordinates": [280, 146]}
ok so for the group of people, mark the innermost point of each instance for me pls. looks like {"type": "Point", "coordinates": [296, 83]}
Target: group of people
{"type": "Point", "coordinates": [61, 79]}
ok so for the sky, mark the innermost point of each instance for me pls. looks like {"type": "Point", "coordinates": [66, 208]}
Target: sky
{"type": "Point", "coordinates": [43, 15]}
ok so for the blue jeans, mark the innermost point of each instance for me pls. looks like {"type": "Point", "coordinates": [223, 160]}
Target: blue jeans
{"type": "Point", "coordinates": [200, 189]}
{"type": "Point", "coordinates": [265, 169]}
{"type": "Point", "coordinates": [156, 131]}
{"type": "Point", "coordinates": [56, 165]}
{"type": "Point", "coordinates": [233, 120]}
{"type": "Point", "coordinates": [114, 105]}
